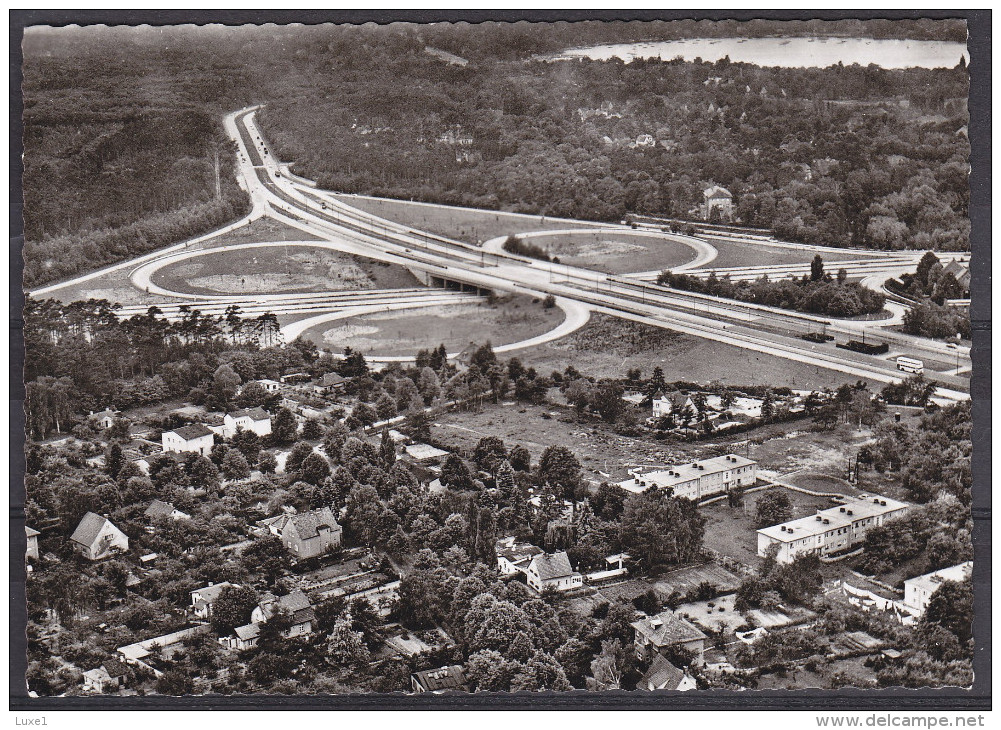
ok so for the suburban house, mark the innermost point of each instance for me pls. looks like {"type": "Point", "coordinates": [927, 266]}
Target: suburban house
{"type": "Point", "coordinates": [830, 531]}
{"type": "Point", "coordinates": [159, 508]}
{"type": "Point", "coordinates": [195, 438]}
{"type": "Point", "coordinates": [105, 418]}
{"type": "Point", "coordinates": [107, 678]}
{"type": "Point", "coordinates": [664, 675]}
{"type": "Point", "coordinates": [307, 534]}
{"type": "Point", "coordinates": [257, 420]}
{"type": "Point", "coordinates": [699, 479]}
{"type": "Point", "coordinates": [329, 383]}
{"type": "Point", "coordinates": [552, 571]}
{"type": "Point", "coordinates": [31, 549]}
{"type": "Point", "coordinates": [514, 557]}
{"type": "Point", "coordinates": [717, 202]}
{"type": "Point", "coordinates": [203, 598]}
{"type": "Point", "coordinates": [962, 273]}
{"type": "Point", "coordinates": [295, 604]}
{"type": "Point", "coordinates": [918, 591]}
{"type": "Point", "coordinates": [654, 634]}
{"type": "Point", "coordinates": [671, 403]}
{"type": "Point", "coordinates": [96, 538]}
{"type": "Point", "coordinates": [443, 679]}
{"type": "Point", "coordinates": [271, 386]}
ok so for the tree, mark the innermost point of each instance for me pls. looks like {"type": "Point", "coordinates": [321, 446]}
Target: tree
{"type": "Point", "coordinates": [455, 474]}
{"type": "Point", "coordinates": [364, 414]}
{"type": "Point", "coordinates": [234, 465]}
{"type": "Point", "coordinates": [312, 429]}
{"type": "Point", "coordinates": [114, 460]}
{"type": "Point", "coordinates": [951, 607]}
{"type": "Point", "coordinates": [559, 468]}
{"type": "Point", "coordinates": [659, 530]}
{"type": "Point", "coordinates": [610, 665]}
{"type": "Point", "coordinates": [233, 608]}
{"type": "Point", "coordinates": [285, 428]}
{"type": "Point", "coordinates": [817, 268]}
{"type": "Point", "coordinates": [345, 646]}
{"type": "Point", "coordinates": [489, 452]}
{"type": "Point", "coordinates": [315, 468]}
{"type": "Point", "coordinates": [387, 449]}
{"type": "Point", "coordinates": [520, 458]}
{"type": "Point", "coordinates": [386, 407]}
{"type": "Point", "coordinates": [773, 508]}
{"type": "Point", "coordinates": [267, 463]}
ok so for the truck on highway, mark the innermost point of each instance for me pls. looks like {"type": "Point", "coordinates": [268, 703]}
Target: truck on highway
{"type": "Point", "coordinates": [910, 365]}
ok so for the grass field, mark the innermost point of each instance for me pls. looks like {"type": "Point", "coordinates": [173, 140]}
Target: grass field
{"type": "Point", "coordinates": [277, 269]}
{"type": "Point", "coordinates": [607, 347]}
{"type": "Point", "coordinates": [464, 224]}
{"type": "Point", "coordinates": [405, 332]}
{"type": "Point", "coordinates": [616, 252]}
{"type": "Point", "coordinates": [738, 253]}
{"type": "Point", "coordinates": [116, 287]}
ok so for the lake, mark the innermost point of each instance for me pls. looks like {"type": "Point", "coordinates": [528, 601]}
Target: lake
{"type": "Point", "coordinates": [801, 52]}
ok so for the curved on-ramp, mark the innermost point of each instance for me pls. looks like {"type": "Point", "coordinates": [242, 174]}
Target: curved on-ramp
{"type": "Point", "coordinates": [577, 315]}
{"type": "Point", "coordinates": [705, 252]}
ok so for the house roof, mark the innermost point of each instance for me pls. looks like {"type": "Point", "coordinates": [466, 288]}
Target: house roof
{"type": "Point", "coordinates": [519, 551]}
{"type": "Point", "coordinates": [88, 529]}
{"type": "Point", "coordinates": [107, 412]}
{"type": "Point", "coordinates": [550, 567]}
{"type": "Point", "coordinates": [211, 593]}
{"type": "Point", "coordinates": [931, 581]}
{"type": "Point", "coordinates": [255, 414]}
{"type": "Point", "coordinates": [296, 603]}
{"type": "Point", "coordinates": [667, 629]}
{"type": "Point", "coordinates": [717, 191]}
{"type": "Point", "coordinates": [684, 473]}
{"type": "Point", "coordinates": [159, 508]}
{"type": "Point", "coordinates": [308, 524]}
{"type": "Point", "coordinates": [423, 452]}
{"type": "Point", "coordinates": [331, 379]}
{"type": "Point", "coordinates": [250, 631]}
{"type": "Point", "coordinates": [192, 431]}
{"type": "Point", "coordinates": [30, 531]}
{"type": "Point", "coordinates": [662, 674]}
{"type": "Point", "coordinates": [441, 679]}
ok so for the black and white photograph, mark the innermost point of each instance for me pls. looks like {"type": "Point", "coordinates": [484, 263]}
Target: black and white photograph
{"type": "Point", "coordinates": [459, 359]}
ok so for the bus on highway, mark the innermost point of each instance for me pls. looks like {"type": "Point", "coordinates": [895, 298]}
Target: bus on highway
{"type": "Point", "coordinates": [910, 365]}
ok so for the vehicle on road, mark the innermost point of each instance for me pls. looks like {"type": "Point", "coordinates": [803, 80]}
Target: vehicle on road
{"type": "Point", "coordinates": [910, 365]}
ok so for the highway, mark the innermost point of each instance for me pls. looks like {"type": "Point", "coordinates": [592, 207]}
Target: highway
{"type": "Point", "coordinates": [438, 260]}
{"type": "Point", "coordinates": [751, 327]}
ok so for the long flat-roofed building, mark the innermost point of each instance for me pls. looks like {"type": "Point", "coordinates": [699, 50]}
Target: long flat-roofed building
{"type": "Point", "coordinates": [699, 479]}
{"type": "Point", "coordinates": [830, 531]}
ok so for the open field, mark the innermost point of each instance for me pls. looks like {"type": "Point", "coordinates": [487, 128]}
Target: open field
{"type": "Point", "coordinates": [607, 347]}
{"type": "Point", "coordinates": [739, 253]}
{"type": "Point", "coordinates": [685, 579]}
{"type": "Point", "coordinates": [779, 448]}
{"type": "Point", "coordinates": [464, 224]}
{"type": "Point", "coordinates": [732, 530]}
{"type": "Point", "coordinates": [616, 252]}
{"type": "Point", "coordinates": [405, 332]}
{"type": "Point", "coordinates": [277, 269]}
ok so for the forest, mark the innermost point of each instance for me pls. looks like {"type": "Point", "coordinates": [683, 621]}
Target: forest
{"type": "Point", "coordinates": [122, 127]}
